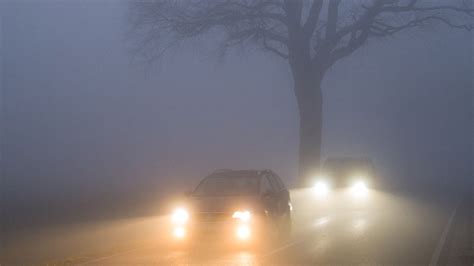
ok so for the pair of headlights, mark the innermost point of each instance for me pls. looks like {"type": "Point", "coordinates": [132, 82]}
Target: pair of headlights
{"type": "Point", "coordinates": [180, 217]}
{"type": "Point", "coordinates": [322, 188]}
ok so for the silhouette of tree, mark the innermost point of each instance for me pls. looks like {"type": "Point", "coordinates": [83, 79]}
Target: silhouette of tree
{"type": "Point", "coordinates": [310, 35]}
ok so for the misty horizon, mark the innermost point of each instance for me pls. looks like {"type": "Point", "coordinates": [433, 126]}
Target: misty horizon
{"type": "Point", "coordinates": [83, 120]}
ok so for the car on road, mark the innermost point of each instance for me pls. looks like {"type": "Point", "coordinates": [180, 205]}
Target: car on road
{"type": "Point", "coordinates": [356, 173]}
{"type": "Point", "coordinates": [245, 206]}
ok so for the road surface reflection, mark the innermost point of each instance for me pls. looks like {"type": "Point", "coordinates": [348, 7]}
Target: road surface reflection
{"type": "Point", "coordinates": [335, 229]}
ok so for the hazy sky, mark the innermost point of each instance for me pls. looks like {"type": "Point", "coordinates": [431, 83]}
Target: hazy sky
{"type": "Point", "coordinates": [80, 117]}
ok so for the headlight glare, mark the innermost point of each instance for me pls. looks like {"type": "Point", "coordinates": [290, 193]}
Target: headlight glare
{"type": "Point", "coordinates": [179, 232]}
{"type": "Point", "coordinates": [242, 215]}
{"type": "Point", "coordinates": [359, 189]}
{"type": "Point", "coordinates": [321, 188]}
{"type": "Point", "coordinates": [243, 232]}
{"type": "Point", "coordinates": [180, 216]}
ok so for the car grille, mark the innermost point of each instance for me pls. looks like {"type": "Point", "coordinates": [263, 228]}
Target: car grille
{"type": "Point", "coordinates": [213, 217]}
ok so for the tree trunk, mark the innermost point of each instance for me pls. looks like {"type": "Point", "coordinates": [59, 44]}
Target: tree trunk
{"type": "Point", "coordinates": [310, 103]}
{"type": "Point", "coordinates": [307, 77]}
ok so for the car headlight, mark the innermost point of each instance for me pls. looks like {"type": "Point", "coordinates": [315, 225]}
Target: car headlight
{"type": "Point", "coordinates": [180, 216]}
{"type": "Point", "coordinates": [321, 188]}
{"type": "Point", "coordinates": [359, 189]}
{"type": "Point", "coordinates": [243, 232]}
{"type": "Point", "coordinates": [179, 232]}
{"type": "Point", "coordinates": [244, 216]}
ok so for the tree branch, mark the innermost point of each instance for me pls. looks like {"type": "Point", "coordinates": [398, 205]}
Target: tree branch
{"type": "Point", "coordinates": [161, 22]}
{"type": "Point", "coordinates": [411, 7]}
{"type": "Point", "coordinates": [381, 29]}
{"type": "Point", "coordinates": [358, 31]}
{"type": "Point", "coordinates": [332, 19]}
{"type": "Point", "coordinates": [356, 41]}
{"type": "Point", "coordinates": [293, 10]}
{"type": "Point", "coordinates": [313, 17]}
{"type": "Point", "coordinates": [270, 48]}
{"type": "Point", "coordinates": [364, 20]}
{"type": "Point", "coordinates": [371, 23]}
{"type": "Point", "coordinates": [276, 25]}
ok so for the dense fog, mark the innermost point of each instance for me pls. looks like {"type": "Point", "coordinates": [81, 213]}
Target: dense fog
{"type": "Point", "coordinates": [89, 131]}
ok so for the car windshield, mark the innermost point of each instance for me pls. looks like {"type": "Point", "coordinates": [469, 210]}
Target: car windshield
{"type": "Point", "coordinates": [344, 166]}
{"type": "Point", "coordinates": [227, 186]}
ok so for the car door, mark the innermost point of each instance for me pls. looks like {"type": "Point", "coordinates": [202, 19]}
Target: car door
{"type": "Point", "coordinates": [284, 195]}
{"type": "Point", "coordinates": [280, 195]}
{"type": "Point", "coordinates": [269, 196]}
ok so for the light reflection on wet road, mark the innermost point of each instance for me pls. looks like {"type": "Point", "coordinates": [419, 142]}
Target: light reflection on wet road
{"type": "Point", "coordinates": [337, 229]}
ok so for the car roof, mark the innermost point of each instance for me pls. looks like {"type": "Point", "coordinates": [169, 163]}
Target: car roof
{"type": "Point", "coordinates": [348, 159]}
{"type": "Point", "coordinates": [236, 173]}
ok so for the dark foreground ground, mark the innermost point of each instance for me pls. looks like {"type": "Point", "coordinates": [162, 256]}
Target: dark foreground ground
{"type": "Point", "coordinates": [389, 228]}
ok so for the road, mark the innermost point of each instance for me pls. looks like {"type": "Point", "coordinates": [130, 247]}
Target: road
{"type": "Point", "coordinates": [382, 228]}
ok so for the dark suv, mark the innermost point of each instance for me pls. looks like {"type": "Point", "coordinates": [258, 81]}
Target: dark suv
{"type": "Point", "coordinates": [238, 205]}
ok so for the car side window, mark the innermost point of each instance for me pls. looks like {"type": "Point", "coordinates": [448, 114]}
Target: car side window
{"type": "Point", "coordinates": [279, 182]}
{"type": "Point", "coordinates": [273, 182]}
{"type": "Point", "coordinates": [265, 185]}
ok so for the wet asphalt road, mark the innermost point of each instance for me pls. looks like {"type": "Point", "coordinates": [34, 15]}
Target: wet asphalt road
{"type": "Point", "coordinates": [339, 229]}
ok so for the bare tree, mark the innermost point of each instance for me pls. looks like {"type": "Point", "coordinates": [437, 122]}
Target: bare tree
{"type": "Point", "coordinates": [311, 35]}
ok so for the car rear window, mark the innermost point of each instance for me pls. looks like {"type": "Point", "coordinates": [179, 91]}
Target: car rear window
{"type": "Point", "coordinates": [346, 165]}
